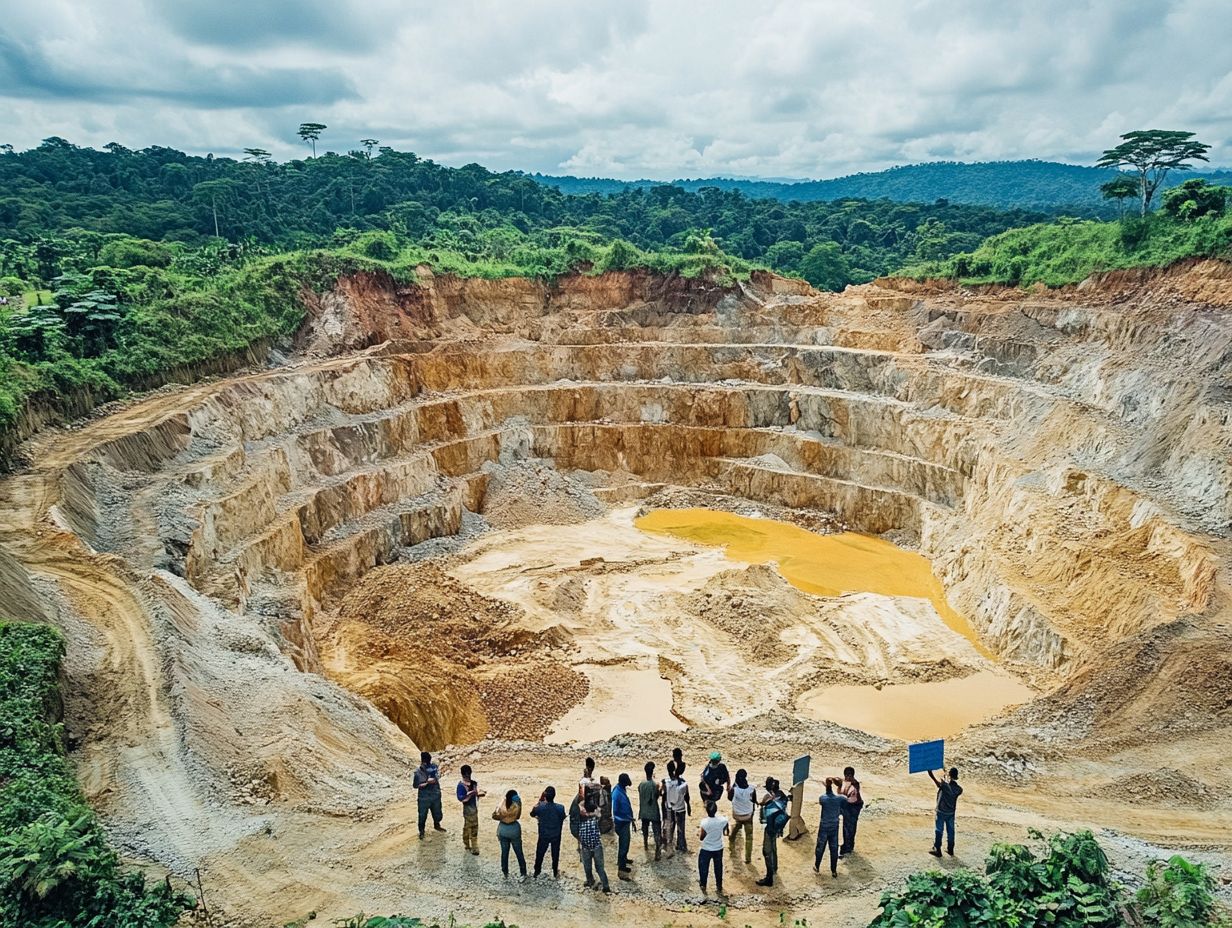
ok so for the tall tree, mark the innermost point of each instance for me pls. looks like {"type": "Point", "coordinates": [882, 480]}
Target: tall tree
{"type": "Point", "coordinates": [1153, 153]}
{"type": "Point", "coordinates": [369, 144]}
{"type": "Point", "coordinates": [310, 132]}
{"type": "Point", "coordinates": [1120, 189]}
{"type": "Point", "coordinates": [259, 155]}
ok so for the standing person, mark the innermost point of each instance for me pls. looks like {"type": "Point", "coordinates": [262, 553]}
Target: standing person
{"type": "Point", "coordinates": [948, 792]}
{"type": "Point", "coordinates": [713, 830]}
{"type": "Point", "coordinates": [649, 812]}
{"type": "Point", "coordinates": [678, 806]}
{"type": "Point", "coordinates": [509, 831]}
{"type": "Point", "coordinates": [605, 806]}
{"type": "Point", "coordinates": [715, 780]}
{"type": "Point", "coordinates": [743, 798]}
{"type": "Point", "coordinates": [677, 759]}
{"type": "Point", "coordinates": [551, 817]}
{"type": "Point", "coordinates": [622, 816]}
{"type": "Point", "coordinates": [469, 795]}
{"type": "Point", "coordinates": [827, 832]}
{"type": "Point", "coordinates": [851, 811]}
{"type": "Point", "coordinates": [587, 783]}
{"type": "Point", "coordinates": [428, 782]}
{"type": "Point", "coordinates": [590, 845]}
{"type": "Point", "coordinates": [774, 815]}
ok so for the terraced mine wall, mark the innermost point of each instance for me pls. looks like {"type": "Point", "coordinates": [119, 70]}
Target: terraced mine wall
{"type": "Point", "coordinates": [1062, 457]}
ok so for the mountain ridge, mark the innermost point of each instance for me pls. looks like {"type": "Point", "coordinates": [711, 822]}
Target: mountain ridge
{"type": "Point", "coordinates": [1051, 186]}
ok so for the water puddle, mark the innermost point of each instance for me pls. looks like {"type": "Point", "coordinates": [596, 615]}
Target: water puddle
{"type": "Point", "coordinates": [622, 699]}
{"type": "Point", "coordinates": [916, 711]}
{"type": "Point", "coordinates": [825, 565]}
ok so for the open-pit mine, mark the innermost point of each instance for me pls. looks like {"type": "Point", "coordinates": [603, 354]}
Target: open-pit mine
{"type": "Point", "coordinates": [516, 523]}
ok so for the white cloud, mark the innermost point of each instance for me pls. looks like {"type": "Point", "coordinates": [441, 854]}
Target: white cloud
{"type": "Point", "coordinates": [631, 88]}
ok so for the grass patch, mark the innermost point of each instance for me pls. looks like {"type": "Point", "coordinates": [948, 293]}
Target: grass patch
{"type": "Point", "coordinates": [1068, 251]}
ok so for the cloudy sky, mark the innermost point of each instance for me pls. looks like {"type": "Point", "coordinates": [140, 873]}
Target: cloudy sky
{"type": "Point", "coordinates": [622, 88]}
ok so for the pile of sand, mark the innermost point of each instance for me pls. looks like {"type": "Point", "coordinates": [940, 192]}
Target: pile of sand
{"type": "Point", "coordinates": [534, 492]}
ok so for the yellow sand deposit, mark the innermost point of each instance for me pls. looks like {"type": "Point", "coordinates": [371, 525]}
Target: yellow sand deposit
{"type": "Point", "coordinates": [825, 565]}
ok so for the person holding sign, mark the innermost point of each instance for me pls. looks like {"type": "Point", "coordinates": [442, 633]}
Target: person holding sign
{"type": "Point", "coordinates": [948, 792]}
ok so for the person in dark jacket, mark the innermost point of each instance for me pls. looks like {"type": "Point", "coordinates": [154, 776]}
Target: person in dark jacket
{"type": "Point", "coordinates": [948, 792]}
{"type": "Point", "coordinates": [827, 832]}
{"type": "Point", "coordinates": [427, 783]}
{"type": "Point", "coordinates": [851, 811]}
{"type": "Point", "coordinates": [649, 811]}
{"type": "Point", "coordinates": [622, 817]}
{"type": "Point", "coordinates": [551, 817]}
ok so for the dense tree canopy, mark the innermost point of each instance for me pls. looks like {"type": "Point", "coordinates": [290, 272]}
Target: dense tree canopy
{"type": "Point", "coordinates": [162, 194]}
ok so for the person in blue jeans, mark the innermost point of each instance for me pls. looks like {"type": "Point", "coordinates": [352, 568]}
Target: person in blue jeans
{"type": "Point", "coordinates": [827, 833]}
{"type": "Point", "coordinates": [948, 792]}
{"type": "Point", "coordinates": [622, 818]}
{"type": "Point", "coordinates": [427, 782]}
{"type": "Point", "coordinates": [509, 832]}
{"type": "Point", "coordinates": [551, 816]}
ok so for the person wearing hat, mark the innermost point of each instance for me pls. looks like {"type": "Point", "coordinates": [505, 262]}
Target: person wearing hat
{"type": "Point", "coordinates": [715, 779]}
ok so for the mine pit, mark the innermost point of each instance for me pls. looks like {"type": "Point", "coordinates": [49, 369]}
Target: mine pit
{"type": "Point", "coordinates": [516, 523]}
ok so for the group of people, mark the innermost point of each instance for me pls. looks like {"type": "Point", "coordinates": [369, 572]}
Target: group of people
{"type": "Point", "coordinates": [663, 807]}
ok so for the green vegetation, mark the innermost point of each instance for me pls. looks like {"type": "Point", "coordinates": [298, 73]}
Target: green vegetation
{"type": "Point", "coordinates": [56, 870]}
{"type": "Point", "coordinates": [1067, 251]}
{"type": "Point", "coordinates": [164, 195]}
{"type": "Point", "coordinates": [1066, 885]}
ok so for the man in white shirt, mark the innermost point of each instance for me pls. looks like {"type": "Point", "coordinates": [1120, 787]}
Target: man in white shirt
{"type": "Point", "coordinates": [712, 834]}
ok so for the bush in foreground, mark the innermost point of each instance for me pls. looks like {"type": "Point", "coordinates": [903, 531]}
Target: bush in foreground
{"type": "Point", "coordinates": [1066, 885]}
{"type": "Point", "coordinates": [56, 869]}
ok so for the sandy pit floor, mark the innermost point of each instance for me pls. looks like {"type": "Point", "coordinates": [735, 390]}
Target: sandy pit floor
{"type": "Point", "coordinates": [701, 617]}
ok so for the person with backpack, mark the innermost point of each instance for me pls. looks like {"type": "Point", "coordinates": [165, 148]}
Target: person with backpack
{"type": "Point", "coordinates": [622, 817]}
{"type": "Point", "coordinates": [827, 832]}
{"type": "Point", "coordinates": [509, 831]}
{"type": "Point", "coordinates": [427, 783]}
{"type": "Point", "coordinates": [948, 792]}
{"type": "Point", "coordinates": [715, 780]}
{"type": "Point", "coordinates": [590, 845]}
{"type": "Point", "coordinates": [743, 798]}
{"type": "Point", "coordinates": [850, 811]}
{"type": "Point", "coordinates": [606, 824]}
{"type": "Point", "coordinates": [774, 815]}
{"type": "Point", "coordinates": [678, 807]}
{"type": "Point", "coordinates": [648, 811]}
{"type": "Point", "coordinates": [469, 795]}
{"type": "Point", "coordinates": [551, 816]}
{"type": "Point", "coordinates": [713, 830]}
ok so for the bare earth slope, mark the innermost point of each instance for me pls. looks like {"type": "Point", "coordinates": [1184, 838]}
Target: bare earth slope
{"type": "Point", "coordinates": [249, 695]}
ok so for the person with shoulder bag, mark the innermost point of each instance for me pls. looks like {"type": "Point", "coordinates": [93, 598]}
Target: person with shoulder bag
{"type": "Point", "coordinates": [743, 798]}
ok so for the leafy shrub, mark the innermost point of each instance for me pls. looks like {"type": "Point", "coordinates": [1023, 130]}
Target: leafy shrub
{"type": "Point", "coordinates": [1067, 887]}
{"type": "Point", "coordinates": [1178, 895]}
{"type": "Point", "coordinates": [134, 252]}
{"type": "Point", "coordinates": [56, 870]}
{"type": "Point", "coordinates": [1195, 198]}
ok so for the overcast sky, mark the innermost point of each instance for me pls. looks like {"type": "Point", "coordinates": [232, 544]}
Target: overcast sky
{"type": "Point", "coordinates": [622, 88]}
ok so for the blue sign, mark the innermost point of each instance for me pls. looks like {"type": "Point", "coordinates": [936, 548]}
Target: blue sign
{"type": "Point", "coordinates": [927, 755]}
{"type": "Point", "coordinates": [800, 769]}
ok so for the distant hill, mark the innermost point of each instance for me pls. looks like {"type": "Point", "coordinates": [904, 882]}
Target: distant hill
{"type": "Point", "coordinates": [1048, 186]}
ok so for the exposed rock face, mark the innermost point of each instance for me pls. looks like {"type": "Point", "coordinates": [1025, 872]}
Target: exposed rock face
{"type": "Point", "coordinates": [1064, 458]}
